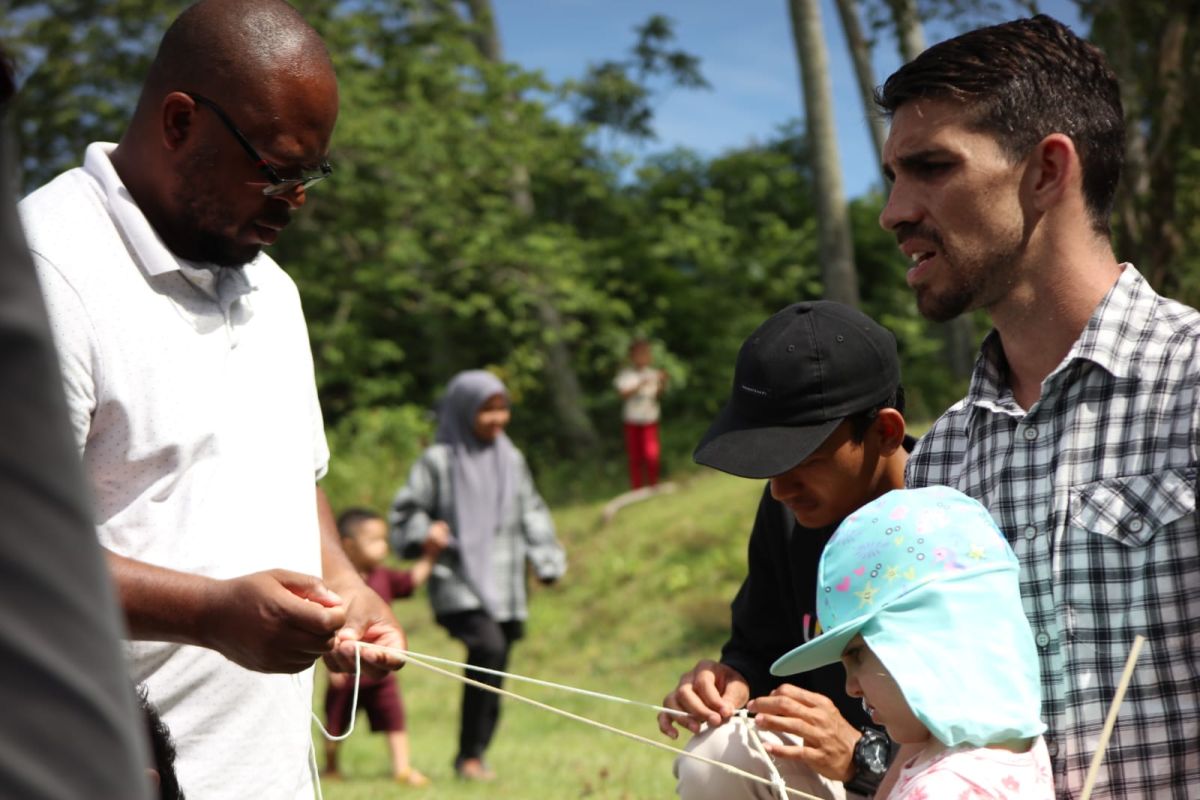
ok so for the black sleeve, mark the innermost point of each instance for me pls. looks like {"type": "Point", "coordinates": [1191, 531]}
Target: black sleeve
{"type": "Point", "coordinates": [760, 631]}
{"type": "Point", "coordinates": [70, 726]}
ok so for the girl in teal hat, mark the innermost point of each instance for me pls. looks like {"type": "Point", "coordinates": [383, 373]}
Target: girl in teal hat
{"type": "Point", "coordinates": [920, 601]}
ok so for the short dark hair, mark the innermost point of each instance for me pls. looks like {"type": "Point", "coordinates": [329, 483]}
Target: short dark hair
{"type": "Point", "coordinates": [862, 421]}
{"type": "Point", "coordinates": [1021, 81]}
{"type": "Point", "coordinates": [162, 747]}
{"type": "Point", "coordinates": [349, 520]}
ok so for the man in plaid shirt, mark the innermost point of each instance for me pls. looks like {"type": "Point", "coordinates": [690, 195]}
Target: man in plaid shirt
{"type": "Point", "coordinates": [1079, 430]}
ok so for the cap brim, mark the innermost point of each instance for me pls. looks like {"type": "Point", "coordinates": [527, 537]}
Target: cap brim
{"type": "Point", "coordinates": [749, 449]}
{"type": "Point", "coordinates": [824, 649]}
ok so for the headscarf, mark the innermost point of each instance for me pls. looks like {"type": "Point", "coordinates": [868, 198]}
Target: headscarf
{"type": "Point", "coordinates": [483, 476]}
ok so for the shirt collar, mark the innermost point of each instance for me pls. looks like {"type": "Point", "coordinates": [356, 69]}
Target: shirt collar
{"type": "Point", "coordinates": [1110, 339]}
{"type": "Point", "coordinates": [147, 248]}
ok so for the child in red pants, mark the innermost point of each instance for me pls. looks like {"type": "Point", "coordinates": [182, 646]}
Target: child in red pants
{"type": "Point", "coordinates": [640, 385]}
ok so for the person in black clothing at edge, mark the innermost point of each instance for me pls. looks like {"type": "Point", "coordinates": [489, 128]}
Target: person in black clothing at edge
{"type": "Point", "coordinates": [70, 726]}
{"type": "Point", "coordinates": [816, 407]}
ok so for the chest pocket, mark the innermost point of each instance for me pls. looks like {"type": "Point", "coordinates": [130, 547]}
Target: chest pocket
{"type": "Point", "coordinates": [1131, 509]}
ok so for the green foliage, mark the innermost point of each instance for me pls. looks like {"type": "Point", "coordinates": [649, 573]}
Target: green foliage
{"type": "Point", "coordinates": [616, 94]}
{"type": "Point", "coordinates": [463, 209]}
{"type": "Point", "coordinates": [87, 58]}
{"type": "Point", "coordinates": [416, 262]}
{"type": "Point", "coordinates": [371, 452]}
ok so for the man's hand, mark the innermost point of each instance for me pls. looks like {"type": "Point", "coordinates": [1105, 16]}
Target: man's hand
{"type": "Point", "coordinates": [273, 621]}
{"type": "Point", "coordinates": [368, 619]}
{"type": "Point", "coordinates": [709, 692]}
{"type": "Point", "coordinates": [829, 739]}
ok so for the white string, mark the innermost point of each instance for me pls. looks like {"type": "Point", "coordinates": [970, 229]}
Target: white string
{"type": "Point", "coordinates": [312, 749]}
{"type": "Point", "coordinates": [535, 681]}
{"type": "Point", "coordinates": [316, 772]}
{"type": "Point", "coordinates": [353, 700]}
{"type": "Point", "coordinates": [416, 659]}
{"type": "Point", "coordinates": [776, 779]}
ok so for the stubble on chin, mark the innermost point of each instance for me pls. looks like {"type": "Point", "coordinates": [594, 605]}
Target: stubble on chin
{"type": "Point", "coordinates": [945, 306]}
{"type": "Point", "coordinates": [216, 249]}
{"type": "Point", "coordinates": [970, 285]}
{"type": "Point", "coordinates": [201, 219]}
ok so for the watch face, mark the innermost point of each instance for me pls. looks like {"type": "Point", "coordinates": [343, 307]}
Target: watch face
{"type": "Point", "coordinates": [871, 753]}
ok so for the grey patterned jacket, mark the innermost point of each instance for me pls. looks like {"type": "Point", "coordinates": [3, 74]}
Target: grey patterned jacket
{"type": "Point", "coordinates": [526, 535]}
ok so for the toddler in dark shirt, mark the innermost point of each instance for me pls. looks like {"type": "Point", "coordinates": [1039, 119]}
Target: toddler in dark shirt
{"type": "Point", "coordinates": [364, 538]}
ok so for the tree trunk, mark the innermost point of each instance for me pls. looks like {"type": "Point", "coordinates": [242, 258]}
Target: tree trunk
{"type": "Point", "coordinates": [836, 249]}
{"type": "Point", "coordinates": [1129, 220]}
{"type": "Point", "coordinates": [860, 52]}
{"type": "Point", "coordinates": [561, 381]}
{"type": "Point", "coordinates": [909, 33]}
{"type": "Point", "coordinates": [1152, 48]}
{"type": "Point", "coordinates": [1166, 240]}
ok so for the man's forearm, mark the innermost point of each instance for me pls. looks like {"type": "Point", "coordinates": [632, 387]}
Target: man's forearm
{"type": "Point", "coordinates": [336, 568]}
{"type": "Point", "coordinates": [161, 604]}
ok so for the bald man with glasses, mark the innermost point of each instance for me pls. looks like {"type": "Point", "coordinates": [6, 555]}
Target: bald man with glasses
{"type": "Point", "coordinates": [190, 389]}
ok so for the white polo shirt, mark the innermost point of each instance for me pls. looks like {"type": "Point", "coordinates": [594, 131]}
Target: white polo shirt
{"type": "Point", "coordinates": [197, 415]}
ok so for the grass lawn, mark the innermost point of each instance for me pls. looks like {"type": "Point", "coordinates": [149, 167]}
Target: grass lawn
{"type": "Point", "coordinates": [644, 598]}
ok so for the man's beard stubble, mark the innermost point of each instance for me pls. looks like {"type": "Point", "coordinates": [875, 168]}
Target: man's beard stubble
{"type": "Point", "coordinates": [971, 283]}
{"type": "Point", "coordinates": [201, 218]}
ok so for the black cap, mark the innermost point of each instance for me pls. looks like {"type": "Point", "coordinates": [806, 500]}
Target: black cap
{"type": "Point", "coordinates": [797, 377]}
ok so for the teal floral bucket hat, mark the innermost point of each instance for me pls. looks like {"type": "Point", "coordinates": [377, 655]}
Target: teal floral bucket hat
{"type": "Point", "coordinates": [933, 587]}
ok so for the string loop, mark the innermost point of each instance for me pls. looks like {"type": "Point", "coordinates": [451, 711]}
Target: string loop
{"type": "Point", "coordinates": [420, 660]}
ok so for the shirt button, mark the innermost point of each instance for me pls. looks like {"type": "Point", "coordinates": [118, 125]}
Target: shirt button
{"type": "Point", "coordinates": [1042, 639]}
{"type": "Point", "coordinates": [1030, 531]}
{"type": "Point", "coordinates": [1052, 748]}
{"type": "Point", "coordinates": [1031, 433]}
{"type": "Point", "coordinates": [1135, 525]}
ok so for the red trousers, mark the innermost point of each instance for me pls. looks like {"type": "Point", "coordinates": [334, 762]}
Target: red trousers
{"type": "Point", "coordinates": [641, 443]}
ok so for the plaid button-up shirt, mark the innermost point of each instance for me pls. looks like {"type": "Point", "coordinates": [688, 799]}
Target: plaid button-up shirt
{"type": "Point", "coordinates": [1095, 487]}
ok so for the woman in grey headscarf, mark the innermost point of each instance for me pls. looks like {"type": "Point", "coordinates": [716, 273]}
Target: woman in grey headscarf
{"type": "Point", "coordinates": [473, 491]}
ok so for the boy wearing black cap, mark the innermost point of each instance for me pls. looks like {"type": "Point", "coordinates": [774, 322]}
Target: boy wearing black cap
{"type": "Point", "coordinates": [817, 408]}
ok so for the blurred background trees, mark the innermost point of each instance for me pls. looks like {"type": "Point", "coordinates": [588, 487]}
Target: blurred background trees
{"type": "Point", "coordinates": [482, 216]}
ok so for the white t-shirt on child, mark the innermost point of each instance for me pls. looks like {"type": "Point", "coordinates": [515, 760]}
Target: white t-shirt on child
{"type": "Point", "coordinates": [641, 407]}
{"type": "Point", "coordinates": [977, 773]}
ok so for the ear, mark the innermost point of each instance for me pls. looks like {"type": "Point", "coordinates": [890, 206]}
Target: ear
{"type": "Point", "coordinates": [1053, 171]}
{"type": "Point", "coordinates": [888, 429]}
{"type": "Point", "coordinates": [177, 112]}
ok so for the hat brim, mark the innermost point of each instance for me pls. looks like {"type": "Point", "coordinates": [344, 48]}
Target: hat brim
{"type": "Point", "coordinates": [824, 649]}
{"type": "Point", "coordinates": [750, 449]}
{"type": "Point", "coordinates": [828, 647]}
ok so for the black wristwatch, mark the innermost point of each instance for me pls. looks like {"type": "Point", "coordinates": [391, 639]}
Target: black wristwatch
{"type": "Point", "coordinates": [872, 755]}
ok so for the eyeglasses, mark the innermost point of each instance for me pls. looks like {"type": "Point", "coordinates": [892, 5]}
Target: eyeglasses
{"type": "Point", "coordinates": [277, 184]}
